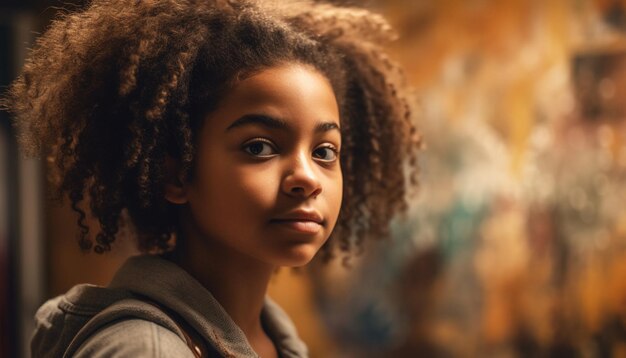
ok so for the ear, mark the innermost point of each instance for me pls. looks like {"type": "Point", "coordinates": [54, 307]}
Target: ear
{"type": "Point", "coordinates": [175, 190]}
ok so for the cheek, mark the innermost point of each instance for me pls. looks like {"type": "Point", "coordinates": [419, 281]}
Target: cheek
{"type": "Point", "coordinates": [258, 184]}
{"type": "Point", "coordinates": [232, 191]}
{"type": "Point", "coordinates": [335, 194]}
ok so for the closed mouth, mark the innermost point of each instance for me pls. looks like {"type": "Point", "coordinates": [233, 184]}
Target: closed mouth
{"type": "Point", "coordinates": [301, 216]}
{"type": "Point", "coordinates": [303, 226]}
{"type": "Point", "coordinates": [302, 221]}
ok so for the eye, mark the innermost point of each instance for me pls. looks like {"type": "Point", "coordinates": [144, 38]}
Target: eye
{"type": "Point", "coordinates": [259, 147]}
{"type": "Point", "coordinates": [327, 153]}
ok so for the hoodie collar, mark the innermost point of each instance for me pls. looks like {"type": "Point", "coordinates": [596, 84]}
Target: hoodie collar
{"type": "Point", "coordinates": [171, 286]}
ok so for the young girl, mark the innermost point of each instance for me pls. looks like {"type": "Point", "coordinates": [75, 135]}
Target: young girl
{"type": "Point", "coordinates": [234, 137]}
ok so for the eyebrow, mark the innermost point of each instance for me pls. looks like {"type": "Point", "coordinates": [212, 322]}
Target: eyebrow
{"type": "Point", "coordinates": [276, 123]}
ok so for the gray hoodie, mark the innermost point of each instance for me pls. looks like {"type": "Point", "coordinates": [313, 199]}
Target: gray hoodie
{"type": "Point", "coordinates": [126, 325]}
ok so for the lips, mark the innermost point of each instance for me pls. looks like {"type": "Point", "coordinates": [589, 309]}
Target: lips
{"type": "Point", "coordinates": [304, 221]}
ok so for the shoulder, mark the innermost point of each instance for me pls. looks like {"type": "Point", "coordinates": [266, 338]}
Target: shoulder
{"type": "Point", "coordinates": [134, 338]}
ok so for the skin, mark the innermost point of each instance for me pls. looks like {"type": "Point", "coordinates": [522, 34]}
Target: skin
{"type": "Point", "coordinates": [266, 191]}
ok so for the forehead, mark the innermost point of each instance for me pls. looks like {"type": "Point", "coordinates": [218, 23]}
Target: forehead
{"type": "Point", "coordinates": [293, 92]}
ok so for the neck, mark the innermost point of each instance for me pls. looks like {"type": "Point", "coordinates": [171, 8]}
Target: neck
{"type": "Point", "coordinates": [238, 282]}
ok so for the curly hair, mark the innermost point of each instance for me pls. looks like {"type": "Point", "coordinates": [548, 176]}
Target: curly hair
{"type": "Point", "coordinates": [109, 92]}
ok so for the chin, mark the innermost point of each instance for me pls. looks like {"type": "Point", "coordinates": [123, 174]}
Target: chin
{"type": "Point", "coordinates": [297, 257]}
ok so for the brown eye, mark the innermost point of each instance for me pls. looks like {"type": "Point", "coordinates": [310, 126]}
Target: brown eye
{"type": "Point", "coordinates": [259, 148]}
{"type": "Point", "coordinates": [325, 154]}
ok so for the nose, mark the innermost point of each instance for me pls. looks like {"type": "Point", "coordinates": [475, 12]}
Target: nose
{"type": "Point", "coordinates": [301, 179]}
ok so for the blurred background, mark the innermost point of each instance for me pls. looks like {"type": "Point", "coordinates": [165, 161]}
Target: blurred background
{"type": "Point", "coordinates": [515, 245]}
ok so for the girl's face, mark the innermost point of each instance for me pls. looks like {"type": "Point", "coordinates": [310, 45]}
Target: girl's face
{"type": "Point", "coordinates": [268, 181]}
